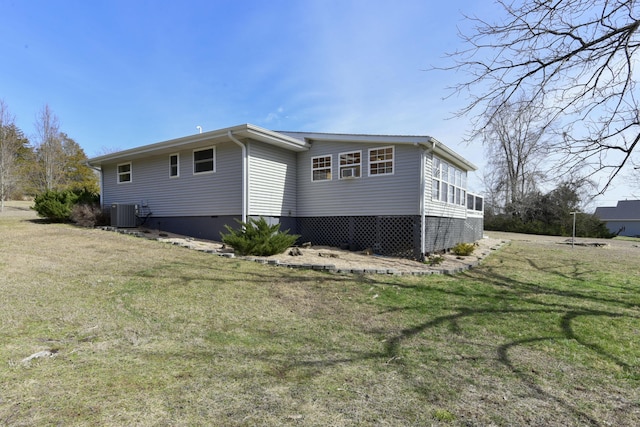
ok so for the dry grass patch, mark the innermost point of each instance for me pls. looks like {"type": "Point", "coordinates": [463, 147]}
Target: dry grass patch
{"type": "Point", "coordinates": [146, 333]}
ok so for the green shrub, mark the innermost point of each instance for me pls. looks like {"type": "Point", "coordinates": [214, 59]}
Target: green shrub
{"type": "Point", "coordinates": [257, 237]}
{"type": "Point", "coordinates": [434, 260]}
{"type": "Point", "coordinates": [463, 249]}
{"type": "Point", "coordinates": [86, 196]}
{"type": "Point", "coordinates": [57, 206]}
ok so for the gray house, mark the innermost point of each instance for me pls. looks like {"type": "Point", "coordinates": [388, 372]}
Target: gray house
{"type": "Point", "coordinates": [623, 219]}
{"type": "Point", "coordinates": [398, 195]}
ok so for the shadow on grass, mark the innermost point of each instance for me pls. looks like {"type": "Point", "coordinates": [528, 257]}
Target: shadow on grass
{"type": "Point", "coordinates": [503, 296]}
{"type": "Point", "coordinates": [481, 293]}
{"type": "Point", "coordinates": [47, 221]}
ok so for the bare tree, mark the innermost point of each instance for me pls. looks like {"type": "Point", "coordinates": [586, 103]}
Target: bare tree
{"type": "Point", "coordinates": [49, 168]}
{"type": "Point", "coordinates": [60, 162]}
{"type": "Point", "coordinates": [10, 145]}
{"type": "Point", "coordinates": [515, 144]}
{"type": "Point", "coordinates": [576, 59]}
{"type": "Point", "coordinates": [633, 177]}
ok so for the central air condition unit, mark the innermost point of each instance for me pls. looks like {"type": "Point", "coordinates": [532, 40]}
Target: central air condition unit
{"type": "Point", "coordinates": [124, 215]}
{"type": "Point", "coordinates": [348, 173]}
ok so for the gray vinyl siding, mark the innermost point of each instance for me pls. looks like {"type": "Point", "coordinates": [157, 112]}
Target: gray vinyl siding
{"type": "Point", "coordinates": [272, 181]}
{"type": "Point", "coordinates": [217, 193]}
{"type": "Point", "coordinates": [396, 194]}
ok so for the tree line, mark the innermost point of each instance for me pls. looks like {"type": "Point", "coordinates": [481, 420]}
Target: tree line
{"type": "Point", "coordinates": [50, 160]}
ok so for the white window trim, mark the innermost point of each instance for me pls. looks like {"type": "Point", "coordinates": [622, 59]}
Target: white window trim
{"type": "Point", "coordinates": [193, 160]}
{"type": "Point", "coordinates": [353, 165]}
{"type": "Point", "coordinates": [177, 175]}
{"type": "Point", "coordinates": [393, 161]}
{"type": "Point", "coordinates": [436, 165]}
{"type": "Point", "coordinates": [119, 174]}
{"type": "Point", "coordinates": [453, 180]}
{"type": "Point", "coordinates": [435, 189]}
{"type": "Point", "coordinates": [474, 201]}
{"type": "Point", "coordinates": [330, 168]}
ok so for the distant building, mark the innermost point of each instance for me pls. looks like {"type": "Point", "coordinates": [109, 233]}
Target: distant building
{"type": "Point", "coordinates": [623, 219]}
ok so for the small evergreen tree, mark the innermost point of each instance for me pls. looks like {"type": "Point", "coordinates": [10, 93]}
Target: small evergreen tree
{"type": "Point", "coordinates": [57, 206]}
{"type": "Point", "coordinates": [257, 237]}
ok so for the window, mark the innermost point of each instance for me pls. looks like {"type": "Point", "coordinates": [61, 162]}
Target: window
{"type": "Point", "coordinates": [449, 183]}
{"type": "Point", "coordinates": [381, 161]}
{"type": "Point", "coordinates": [479, 203]}
{"type": "Point", "coordinates": [321, 168]}
{"type": "Point", "coordinates": [350, 164]}
{"type": "Point", "coordinates": [204, 161]}
{"type": "Point", "coordinates": [474, 202]}
{"type": "Point", "coordinates": [435, 195]}
{"type": "Point", "coordinates": [124, 173]}
{"type": "Point", "coordinates": [174, 165]}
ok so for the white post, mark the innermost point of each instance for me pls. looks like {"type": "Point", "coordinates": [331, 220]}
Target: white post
{"type": "Point", "coordinates": [573, 236]}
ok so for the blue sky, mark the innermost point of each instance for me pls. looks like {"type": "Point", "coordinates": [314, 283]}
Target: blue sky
{"type": "Point", "coordinates": [120, 74]}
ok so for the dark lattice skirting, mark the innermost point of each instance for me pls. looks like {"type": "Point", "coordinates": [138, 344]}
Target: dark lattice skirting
{"type": "Point", "coordinates": [389, 235]}
{"type": "Point", "coordinates": [386, 235]}
{"type": "Point", "coordinates": [473, 229]}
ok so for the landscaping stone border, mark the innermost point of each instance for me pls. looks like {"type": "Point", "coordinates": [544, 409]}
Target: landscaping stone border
{"type": "Point", "coordinates": [189, 243]}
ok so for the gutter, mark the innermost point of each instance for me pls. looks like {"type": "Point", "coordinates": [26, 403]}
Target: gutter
{"type": "Point", "coordinates": [245, 176]}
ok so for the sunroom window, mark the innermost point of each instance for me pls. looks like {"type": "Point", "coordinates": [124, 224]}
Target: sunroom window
{"type": "Point", "coordinates": [449, 183]}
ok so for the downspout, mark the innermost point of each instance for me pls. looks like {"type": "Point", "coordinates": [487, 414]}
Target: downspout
{"type": "Point", "coordinates": [101, 178]}
{"type": "Point", "coordinates": [422, 209]}
{"type": "Point", "coordinates": [423, 201]}
{"type": "Point", "coordinates": [245, 176]}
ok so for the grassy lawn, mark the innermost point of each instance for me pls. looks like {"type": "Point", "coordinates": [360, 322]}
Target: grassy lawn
{"type": "Point", "coordinates": [146, 333]}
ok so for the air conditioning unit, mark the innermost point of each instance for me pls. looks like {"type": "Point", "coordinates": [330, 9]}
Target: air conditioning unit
{"type": "Point", "coordinates": [348, 173]}
{"type": "Point", "coordinates": [124, 215]}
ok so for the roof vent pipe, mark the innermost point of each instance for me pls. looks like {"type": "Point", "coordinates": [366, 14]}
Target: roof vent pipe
{"type": "Point", "coordinates": [199, 129]}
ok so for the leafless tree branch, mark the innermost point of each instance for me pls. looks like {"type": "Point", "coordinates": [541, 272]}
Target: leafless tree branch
{"type": "Point", "coordinates": [575, 59]}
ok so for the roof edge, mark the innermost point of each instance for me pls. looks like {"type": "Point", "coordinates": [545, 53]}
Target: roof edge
{"type": "Point", "coordinates": [427, 141]}
{"type": "Point", "coordinates": [244, 131]}
{"type": "Point", "coordinates": [448, 154]}
{"type": "Point", "coordinates": [294, 141]}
